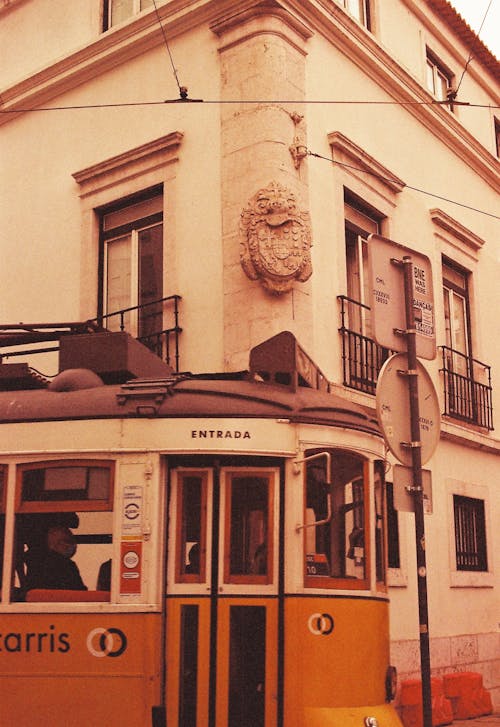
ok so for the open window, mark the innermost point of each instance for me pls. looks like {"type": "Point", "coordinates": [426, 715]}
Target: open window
{"type": "Point", "coordinates": [336, 521]}
{"type": "Point", "coordinates": [439, 78]}
{"type": "Point", "coordinates": [118, 11]}
{"type": "Point", "coordinates": [63, 531]}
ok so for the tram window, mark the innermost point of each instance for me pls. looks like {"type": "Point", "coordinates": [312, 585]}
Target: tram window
{"type": "Point", "coordinates": [191, 527]}
{"type": "Point", "coordinates": [3, 479]}
{"type": "Point", "coordinates": [248, 529]}
{"type": "Point", "coordinates": [63, 532]}
{"type": "Point", "coordinates": [335, 521]}
{"type": "Point", "coordinates": [45, 483]}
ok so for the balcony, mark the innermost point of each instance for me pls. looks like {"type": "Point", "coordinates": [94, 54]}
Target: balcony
{"type": "Point", "coordinates": [467, 381]}
{"type": "Point", "coordinates": [155, 324]}
{"type": "Point", "coordinates": [467, 388]}
{"type": "Point", "coordinates": [362, 358]}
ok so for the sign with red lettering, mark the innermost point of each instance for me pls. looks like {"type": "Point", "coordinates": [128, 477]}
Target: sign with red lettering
{"type": "Point", "coordinates": [387, 297]}
{"type": "Point", "coordinates": [130, 567]}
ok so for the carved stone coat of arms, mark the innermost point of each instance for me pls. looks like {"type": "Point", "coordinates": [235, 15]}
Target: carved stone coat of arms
{"type": "Point", "coordinates": [275, 239]}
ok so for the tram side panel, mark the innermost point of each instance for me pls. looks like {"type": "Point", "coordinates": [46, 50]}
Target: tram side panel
{"type": "Point", "coordinates": [71, 657]}
{"type": "Point", "coordinates": [74, 670]}
{"type": "Point", "coordinates": [336, 654]}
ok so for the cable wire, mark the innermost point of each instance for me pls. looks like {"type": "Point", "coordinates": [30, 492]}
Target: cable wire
{"type": "Point", "coordinates": [221, 102]}
{"type": "Point", "coordinates": [472, 48]}
{"type": "Point", "coordinates": [165, 39]}
{"type": "Point", "coordinates": [408, 186]}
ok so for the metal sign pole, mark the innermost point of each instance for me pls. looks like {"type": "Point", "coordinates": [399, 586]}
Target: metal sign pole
{"type": "Point", "coordinates": [417, 491]}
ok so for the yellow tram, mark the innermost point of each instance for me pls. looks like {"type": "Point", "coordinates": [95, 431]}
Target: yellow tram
{"type": "Point", "coordinates": [230, 549]}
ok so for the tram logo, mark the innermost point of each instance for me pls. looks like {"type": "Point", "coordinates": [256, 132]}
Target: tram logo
{"type": "Point", "coordinates": [106, 642]}
{"type": "Point", "coordinates": [320, 624]}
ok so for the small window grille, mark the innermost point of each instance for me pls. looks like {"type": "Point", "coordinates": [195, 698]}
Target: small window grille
{"type": "Point", "coordinates": [470, 534]}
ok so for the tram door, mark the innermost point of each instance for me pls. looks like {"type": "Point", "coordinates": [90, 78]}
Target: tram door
{"type": "Point", "coordinates": [222, 611]}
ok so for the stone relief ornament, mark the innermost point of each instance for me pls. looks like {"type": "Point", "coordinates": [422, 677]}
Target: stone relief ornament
{"type": "Point", "coordinates": [275, 239]}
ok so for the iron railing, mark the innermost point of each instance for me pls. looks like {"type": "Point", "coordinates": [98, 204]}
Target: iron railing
{"type": "Point", "coordinates": [467, 388]}
{"type": "Point", "coordinates": [150, 326]}
{"type": "Point", "coordinates": [362, 358]}
{"type": "Point", "coordinates": [155, 324]}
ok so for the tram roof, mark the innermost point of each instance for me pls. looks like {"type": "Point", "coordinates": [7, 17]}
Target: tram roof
{"type": "Point", "coordinates": [189, 397]}
{"type": "Point", "coordinates": [80, 393]}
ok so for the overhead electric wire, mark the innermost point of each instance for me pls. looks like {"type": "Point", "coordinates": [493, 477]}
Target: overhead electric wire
{"type": "Point", "coordinates": [472, 48]}
{"type": "Point", "coordinates": [222, 102]}
{"type": "Point", "coordinates": [408, 186]}
{"type": "Point", "coordinates": [182, 89]}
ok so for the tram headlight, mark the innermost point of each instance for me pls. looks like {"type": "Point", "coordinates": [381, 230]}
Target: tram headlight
{"type": "Point", "coordinates": [391, 683]}
{"type": "Point", "coordinates": [371, 722]}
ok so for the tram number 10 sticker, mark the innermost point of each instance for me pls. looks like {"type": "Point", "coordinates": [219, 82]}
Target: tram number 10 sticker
{"type": "Point", "coordinates": [130, 567]}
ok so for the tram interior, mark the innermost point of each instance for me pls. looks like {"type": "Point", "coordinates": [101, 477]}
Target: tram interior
{"type": "Point", "coordinates": [335, 502]}
{"type": "Point", "coordinates": [63, 533]}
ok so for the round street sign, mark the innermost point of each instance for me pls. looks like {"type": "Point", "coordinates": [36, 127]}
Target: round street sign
{"type": "Point", "coordinates": [393, 409]}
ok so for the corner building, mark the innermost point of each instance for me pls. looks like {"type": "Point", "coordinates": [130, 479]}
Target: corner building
{"type": "Point", "coordinates": [204, 177]}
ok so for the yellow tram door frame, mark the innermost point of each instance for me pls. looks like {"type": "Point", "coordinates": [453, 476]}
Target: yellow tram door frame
{"type": "Point", "coordinates": [226, 660]}
{"type": "Point", "coordinates": [214, 617]}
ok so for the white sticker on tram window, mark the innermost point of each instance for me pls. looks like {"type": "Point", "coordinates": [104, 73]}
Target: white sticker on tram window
{"type": "Point", "coordinates": [132, 509]}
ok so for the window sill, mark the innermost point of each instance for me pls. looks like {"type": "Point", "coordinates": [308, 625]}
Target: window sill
{"type": "Point", "coordinates": [471, 579]}
{"type": "Point", "coordinates": [397, 578]}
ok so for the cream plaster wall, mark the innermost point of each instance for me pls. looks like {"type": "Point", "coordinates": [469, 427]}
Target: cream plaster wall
{"type": "Point", "coordinates": [34, 33]}
{"type": "Point", "coordinates": [228, 151]}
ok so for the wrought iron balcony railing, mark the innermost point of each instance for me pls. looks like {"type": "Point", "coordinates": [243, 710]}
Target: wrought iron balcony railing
{"type": "Point", "coordinates": [467, 388]}
{"type": "Point", "coordinates": [155, 324]}
{"type": "Point", "coordinates": [147, 323]}
{"type": "Point", "coordinates": [362, 358]}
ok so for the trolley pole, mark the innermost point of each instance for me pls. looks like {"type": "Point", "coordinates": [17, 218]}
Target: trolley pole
{"type": "Point", "coordinates": [417, 491]}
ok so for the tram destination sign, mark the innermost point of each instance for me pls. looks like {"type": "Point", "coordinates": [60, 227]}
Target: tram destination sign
{"type": "Point", "coordinates": [387, 297]}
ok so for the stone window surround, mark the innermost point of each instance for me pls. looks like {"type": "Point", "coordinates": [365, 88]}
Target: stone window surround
{"type": "Point", "coordinates": [463, 247]}
{"type": "Point", "coordinates": [468, 579]}
{"type": "Point", "coordinates": [116, 178]}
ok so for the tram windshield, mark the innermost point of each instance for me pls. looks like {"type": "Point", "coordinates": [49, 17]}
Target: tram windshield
{"type": "Point", "coordinates": [63, 532]}
{"type": "Point", "coordinates": [336, 527]}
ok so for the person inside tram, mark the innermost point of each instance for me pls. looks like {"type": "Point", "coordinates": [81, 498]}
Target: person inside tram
{"type": "Point", "coordinates": [104, 576]}
{"type": "Point", "coordinates": [51, 566]}
{"type": "Point", "coordinates": [193, 565]}
{"type": "Point", "coordinates": [259, 563]}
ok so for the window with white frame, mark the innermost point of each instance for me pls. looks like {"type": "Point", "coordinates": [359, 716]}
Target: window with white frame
{"type": "Point", "coordinates": [456, 314]}
{"type": "Point", "coordinates": [116, 11]}
{"type": "Point", "coordinates": [363, 358]}
{"type": "Point", "coordinates": [360, 9]}
{"type": "Point", "coordinates": [438, 78]}
{"type": "Point", "coordinates": [360, 222]}
{"type": "Point", "coordinates": [132, 263]}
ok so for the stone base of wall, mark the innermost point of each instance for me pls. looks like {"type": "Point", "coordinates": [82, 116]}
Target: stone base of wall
{"type": "Point", "coordinates": [463, 652]}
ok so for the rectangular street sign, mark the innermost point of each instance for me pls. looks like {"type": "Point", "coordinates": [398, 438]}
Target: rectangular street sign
{"type": "Point", "coordinates": [403, 479]}
{"type": "Point", "coordinates": [387, 297]}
